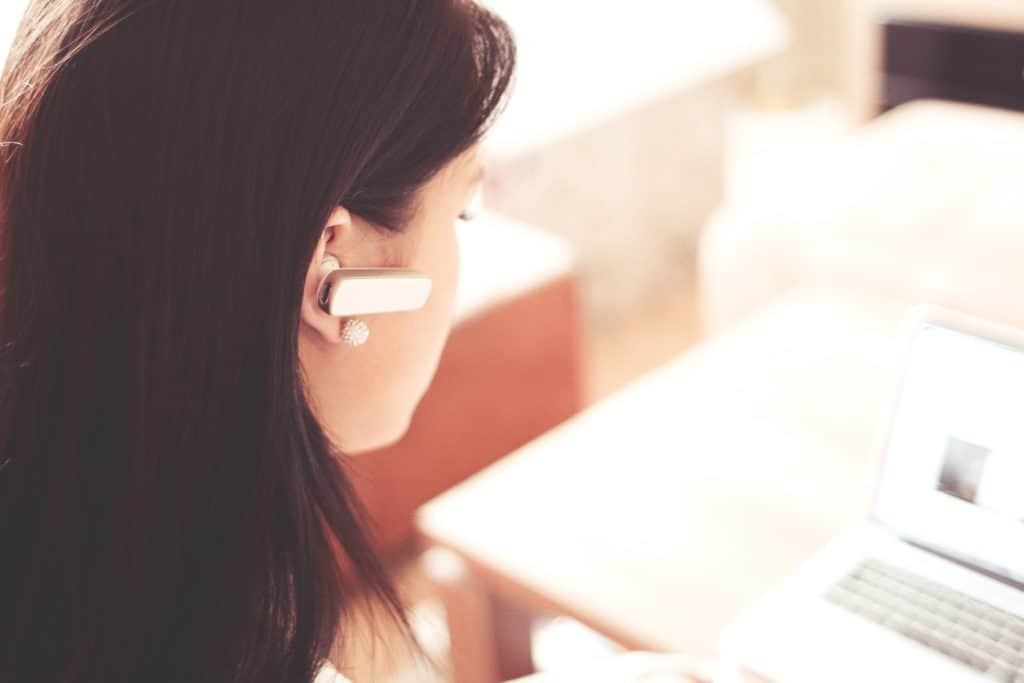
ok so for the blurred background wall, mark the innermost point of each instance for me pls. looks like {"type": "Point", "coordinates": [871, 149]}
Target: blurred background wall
{"type": "Point", "coordinates": [812, 66]}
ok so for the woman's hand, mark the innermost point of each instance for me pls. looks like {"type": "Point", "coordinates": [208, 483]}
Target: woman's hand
{"type": "Point", "coordinates": [635, 667]}
{"type": "Point", "coordinates": [649, 667]}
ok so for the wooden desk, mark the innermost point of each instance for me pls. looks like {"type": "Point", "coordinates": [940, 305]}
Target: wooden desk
{"type": "Point", "coordinates": [658, 515]}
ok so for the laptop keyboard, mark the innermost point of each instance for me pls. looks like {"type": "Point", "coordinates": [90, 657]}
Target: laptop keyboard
{"type": "Point", "coordinates": [976, 633]}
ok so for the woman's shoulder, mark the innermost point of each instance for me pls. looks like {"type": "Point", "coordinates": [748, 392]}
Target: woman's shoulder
{"type": "Point", "coordinates": [328, 674]}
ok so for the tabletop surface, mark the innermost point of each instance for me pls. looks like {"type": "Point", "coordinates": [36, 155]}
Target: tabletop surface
{"type": "Point", "coordinates": [661, 513]}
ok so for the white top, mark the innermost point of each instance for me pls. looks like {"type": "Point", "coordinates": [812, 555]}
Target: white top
{"type": "Point", "coordinates": [328, 674]}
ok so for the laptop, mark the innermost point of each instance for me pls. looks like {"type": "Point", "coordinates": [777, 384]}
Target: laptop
{"type": "Point", "coordinates": [931, 586]}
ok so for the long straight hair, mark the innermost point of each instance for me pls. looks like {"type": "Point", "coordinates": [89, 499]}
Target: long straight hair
{"type": "Point", "coordinates": [170, 508]}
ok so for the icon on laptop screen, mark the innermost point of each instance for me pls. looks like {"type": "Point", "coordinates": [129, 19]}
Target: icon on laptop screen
{"type": "Point", "coordinates": [963, 468]}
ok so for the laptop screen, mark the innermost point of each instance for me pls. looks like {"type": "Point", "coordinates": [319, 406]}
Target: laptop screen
{"type": "Point", "coordinates": [954, 473]}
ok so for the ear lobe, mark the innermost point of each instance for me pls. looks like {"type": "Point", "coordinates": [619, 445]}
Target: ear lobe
{"type": "Point", "coordinates": [314, 318]}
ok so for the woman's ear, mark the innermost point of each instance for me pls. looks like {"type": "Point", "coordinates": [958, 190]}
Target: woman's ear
{"type": "Point", "coordinates": [355, 243]}
{"type": "Point", "coordinates": [336, 236]}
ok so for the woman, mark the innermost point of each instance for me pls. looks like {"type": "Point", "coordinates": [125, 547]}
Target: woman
{"type": "Point", "coordinates": [175, 403]}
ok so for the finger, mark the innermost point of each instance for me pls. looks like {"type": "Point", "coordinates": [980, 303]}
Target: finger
{"type": "Point", "coordinates": [651, 667]}
{"type": "Point", "coordinates": [696, 670]}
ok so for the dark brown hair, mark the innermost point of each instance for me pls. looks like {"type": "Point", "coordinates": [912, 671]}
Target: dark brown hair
{"type": "Point", "coordinates": [170, 509]}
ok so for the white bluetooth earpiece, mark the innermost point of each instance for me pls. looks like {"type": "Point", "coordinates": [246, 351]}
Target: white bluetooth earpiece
{"type": "Point", "coordinates": [345, 292]}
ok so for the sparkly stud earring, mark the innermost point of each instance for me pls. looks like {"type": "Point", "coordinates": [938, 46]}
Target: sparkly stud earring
{"type": "Point", "coordinates": [355, 332]}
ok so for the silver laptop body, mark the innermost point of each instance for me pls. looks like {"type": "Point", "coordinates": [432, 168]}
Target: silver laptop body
{"type": "Point", "coordinates": [930, 587]}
